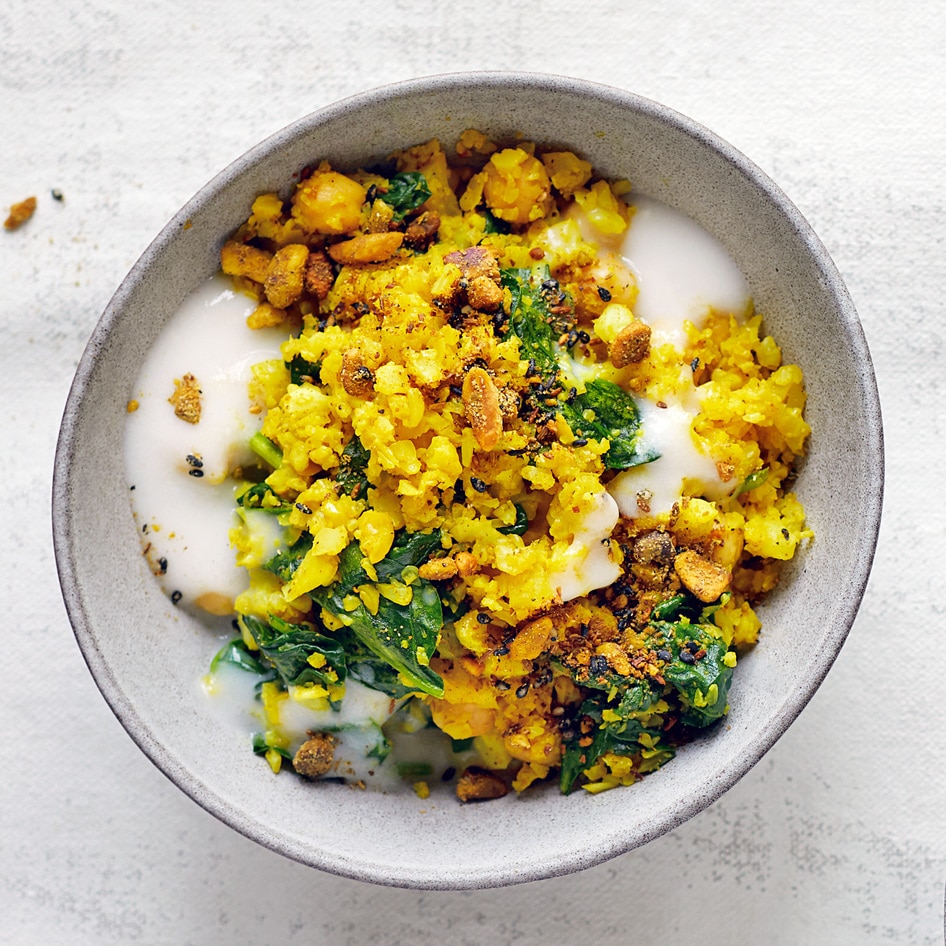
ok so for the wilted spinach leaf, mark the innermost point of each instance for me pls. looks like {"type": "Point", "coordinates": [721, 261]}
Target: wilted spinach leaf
{"type": "Point", "coordinates": [406, 192]}
{"type": "Point", "coordinates": [607, 411]}
{"type": "Point", "coordinates": [402, 635]}
{"type": "Point", "coordinates": [351, 476]}
{"type": "Point", "coordinates": [260, 493]}
{"type": "Point", "coordinates": [529, 319]}
{"type": "Point", "coordinates": [304, 372]}
{"type": "Point", "coordinates": [284, 564]}
{"type": "Point", "coordinates": [239, 655]}
{"type": "Point", "coordinates": [289, 646]}
{"type": "Point", "coordinates": [697, 672]}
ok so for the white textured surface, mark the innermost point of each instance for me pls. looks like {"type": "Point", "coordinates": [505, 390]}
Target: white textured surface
{"type": "Point", "coordinates": [839, 835]}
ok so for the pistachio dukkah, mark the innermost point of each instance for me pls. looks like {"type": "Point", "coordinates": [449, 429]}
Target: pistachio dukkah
{"type": "Point", "coordinates": [492, 498]}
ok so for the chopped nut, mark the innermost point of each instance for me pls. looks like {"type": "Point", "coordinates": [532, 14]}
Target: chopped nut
{"type": "Point", "coordinates": [20, 213]}
{"type": "Point", "coordinates": [467, 564]}
{"type": "Point", "coordinates": [481, 402]}
{"type": "Point", "coordinates": [531, 639]}
{"type": "Point", "coordinates": [319, 275]}
{"type": "Point", "coordinates": [186, 398]}
{"type": "Point", "coordinates": [725, 470]}
{"type": "Point", "coordinates": [477, 784]}
{"type": "Point", "coordinates": [357, 378]}
{"type": "Point", "coordinates": [421, 232]}
{"type": "Point", "coordinates": [240, 259]}
{"type": "Point", "coordinates": [653, 548]}
{"type": "Point", "coordinates": [509, 403]}
{"type": "Point", "coordinates": [703, 578]}
{"type": "Point", "coordinates": [367, 248]}
{"type": "Point", "coordinates": [438, 569]}
{"type": "Point", "coordinates": [484, 294]}
{"type": "Point", "coordinates": [315, 755]}
{"type": "Point", "coordinates": [284, 277]}
{"type": "Point", "coordinates": [630, 346]}
{"type": "Point", "coordinates": [475, 261]}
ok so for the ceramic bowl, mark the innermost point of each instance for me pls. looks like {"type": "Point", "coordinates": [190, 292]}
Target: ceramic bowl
{"type": "Point", "coordinates": [147, 656]}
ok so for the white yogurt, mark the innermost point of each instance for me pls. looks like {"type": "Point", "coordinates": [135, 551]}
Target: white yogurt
{"type": "Point", "coordinates": [653, 488]}
{"type": "Point", "coordinates": [682, 272]}
{"type": "Point", "coordinates": [185, 518]}
{"type": "Point", "coordinates": [589, 564]}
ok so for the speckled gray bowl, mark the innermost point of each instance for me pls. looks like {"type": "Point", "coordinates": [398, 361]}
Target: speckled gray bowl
{"type": "Point", "coordinates": [147, 657]}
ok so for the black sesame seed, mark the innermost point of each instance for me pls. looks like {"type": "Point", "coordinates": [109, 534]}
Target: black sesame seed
{"type": "Point", "coordinates": [694, 364]}
{"type": "Point", "coordinates": [144, 528]}
{"type": "Point", "coordinates": [597, 665]}
{"type": "Point", "coordinates": [572, 394]}
{"type": "Point", "coordinates": [584, 629]}
{"type": "Point", "coordinates": [482, 617]}
{"type": "Point", "coordinates": [193, 461]}
{"type": "Point", "coordinates": [580, 442]}
{"type": "Point", "coordinates": [603, 294]}
{"type": "Point", "coordinates": [501, 651]}
{"type": "Point", "coordinates": [448, 774]}
{"type": "Point", "coordinates": [479, 485]}
{"type": "Point", "coordinates": [175, 597]}
{"type": "Point", "coordinates": [303, 508]}
{"type": "Point", "coordinates": [163, 565]}
{"type": "Point", "coordinates": [584, 338]}
{"type": "Point", "coordinates": [523, 690]}
{"type": "Point", "coordinates": [501, 685]}
{"type": "Point", "coordinates": [195, 472]}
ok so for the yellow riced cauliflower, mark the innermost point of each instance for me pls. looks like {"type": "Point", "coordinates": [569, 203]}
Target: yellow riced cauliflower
{"type": "Point", "coordinates": [455, 451]}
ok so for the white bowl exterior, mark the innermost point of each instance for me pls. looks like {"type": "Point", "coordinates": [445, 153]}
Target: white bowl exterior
{"type": "Point", "coordinates": [148, 656]}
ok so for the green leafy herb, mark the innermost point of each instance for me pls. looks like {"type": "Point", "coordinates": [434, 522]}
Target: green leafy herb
{"type": "Point", "coordinates": [261, 747]}
{"type": "Point", "coordinates": [414, 770]}
{"type": "Point", "coordinates": [753, 480]}
{"type": "Point", "coordinates": [351, 474]}
{"type": "Point", "coordinates": [239, 655]}
{"type": "Point", "coordinates": [681, 605]}
{"type": "Point", "coordinates": [284, 564]}
{"type": "Point", "coordinates": [607, 411]}
{"type": "Point", "coordinates": [530, 321]}
{"type": "Point", "coordinates": [266, 450]}
{"type": "Point", "coordinates": [406, 192]}
{"type": "Point", "coordinates": [697, 671]}
{"type": "Point", "coordinates": [375, 673]}
{"type": "Point", "coordinates": [289, 646]}
{"type": "Point", "coordinates": [402, 635]}
{"type": "Point", "coordinates": [620, 736]}
{"type": "Point", "coordinates": [493, 223]}
{"type": "Point", "coordinates": [262, 496]}
{"type": "Point", "coordinates": [304, 372]}
{"type": "Point", "coordinates": [520, 526]}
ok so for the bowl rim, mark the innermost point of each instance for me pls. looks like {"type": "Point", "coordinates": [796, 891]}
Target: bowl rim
{"type": "Point", "coordinates": [63, 518]}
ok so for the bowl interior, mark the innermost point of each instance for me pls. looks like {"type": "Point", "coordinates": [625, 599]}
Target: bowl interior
{"type": "Point", "coordinates": [147, 656]}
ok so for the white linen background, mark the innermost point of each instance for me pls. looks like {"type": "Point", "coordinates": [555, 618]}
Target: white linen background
{"type": "Point", "coordinates": [839, 834]}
